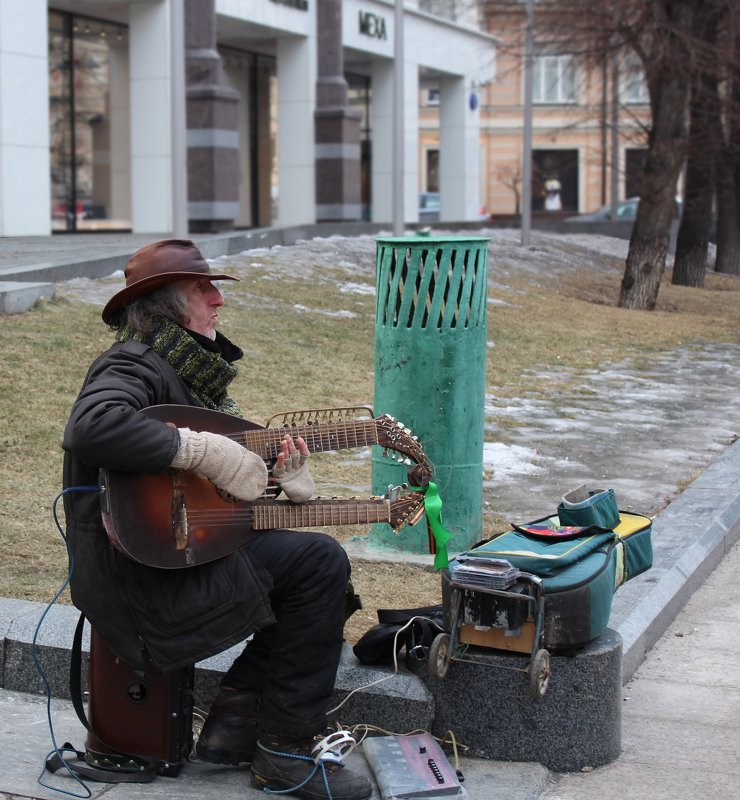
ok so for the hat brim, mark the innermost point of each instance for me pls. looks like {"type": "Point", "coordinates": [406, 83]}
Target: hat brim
{"type": "Point", "coordinates": [146, 285]}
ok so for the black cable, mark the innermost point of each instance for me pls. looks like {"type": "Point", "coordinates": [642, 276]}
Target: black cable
{"type": "Point", "coordinates": [37, 663]}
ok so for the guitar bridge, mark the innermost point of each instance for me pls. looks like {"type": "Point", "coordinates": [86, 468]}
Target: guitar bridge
{"type": "Point", "coordinates": [179, 510]}
{"type": "Point", "coordinates": [180, 523]}
{"type": "Point", "coordinates": [310, 416]}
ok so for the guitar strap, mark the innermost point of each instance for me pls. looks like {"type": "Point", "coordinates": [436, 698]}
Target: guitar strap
{"type": "Point", "coordinates": [132, 769]}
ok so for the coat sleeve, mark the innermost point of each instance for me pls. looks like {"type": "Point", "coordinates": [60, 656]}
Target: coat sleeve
{"type": "Point", "coordinates": [104, 428]}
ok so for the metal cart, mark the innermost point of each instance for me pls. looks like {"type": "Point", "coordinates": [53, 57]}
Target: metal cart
{"type": "Point", "coordinates": [446, 648]}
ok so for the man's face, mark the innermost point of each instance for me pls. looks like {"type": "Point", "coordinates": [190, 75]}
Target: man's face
{"type": "Point", "coordinates": [204, 300]}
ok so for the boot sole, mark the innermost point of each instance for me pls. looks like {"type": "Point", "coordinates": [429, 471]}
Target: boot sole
{"type": "Point", "coordinates": [214, 755]}
{"type": "Point", "coordinates": [277, 784]}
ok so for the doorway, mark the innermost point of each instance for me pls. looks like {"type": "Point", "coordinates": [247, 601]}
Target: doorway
{"type": "Point", "coordinates": [555, 180]}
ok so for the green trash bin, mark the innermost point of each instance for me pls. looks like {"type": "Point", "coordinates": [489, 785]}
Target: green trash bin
{"type": "Point", "coordinates": [430, 373]}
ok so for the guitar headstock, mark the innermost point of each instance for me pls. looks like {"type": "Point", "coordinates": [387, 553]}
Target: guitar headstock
{"type": "Point", "coordinates": [395, 436]}
{"type": "Point", "coordinates": [405, 509]}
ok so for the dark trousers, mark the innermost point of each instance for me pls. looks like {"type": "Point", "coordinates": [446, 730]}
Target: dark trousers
{"type": "Point", "coordinates": [293, 663]}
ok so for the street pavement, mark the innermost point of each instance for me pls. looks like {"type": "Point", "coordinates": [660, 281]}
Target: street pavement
{"type": "Point", "coordinates": [680, 731]}
{"type": "Point", "coordinates": [680, 623]}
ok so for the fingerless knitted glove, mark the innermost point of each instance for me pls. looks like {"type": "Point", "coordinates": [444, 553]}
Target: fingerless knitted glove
{"type": "Point", "coordinates": [222, 461]}
{"type": "Point", "coordinates": [295, 479]}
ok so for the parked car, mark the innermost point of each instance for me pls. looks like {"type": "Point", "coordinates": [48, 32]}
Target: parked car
{"type": "Point", "coordinates": [626, 210]}
{"type": "Point", "coordinates": [429, 207]}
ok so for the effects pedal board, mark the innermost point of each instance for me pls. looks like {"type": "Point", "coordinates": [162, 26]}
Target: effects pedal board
{"type": "Point", "coordinates": [412, 766]}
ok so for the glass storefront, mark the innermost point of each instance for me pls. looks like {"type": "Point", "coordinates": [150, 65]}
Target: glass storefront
{"type": "Point", "coordinates": [254, 77]}
{"type": "Point", "coordinates": [90, 153]}
{"type": "Point", "coordinates": [359, 96]}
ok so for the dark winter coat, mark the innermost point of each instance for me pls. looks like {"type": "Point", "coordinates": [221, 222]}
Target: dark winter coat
{"type": "Point", "coordinates": [166, 618]}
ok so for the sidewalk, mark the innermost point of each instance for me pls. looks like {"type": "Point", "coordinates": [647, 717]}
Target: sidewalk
{"type": "Point", "coordinates": [680, 725]}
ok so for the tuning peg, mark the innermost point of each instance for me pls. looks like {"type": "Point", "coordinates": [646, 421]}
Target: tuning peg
{"type": "Point", "coordinates": [407, 462]}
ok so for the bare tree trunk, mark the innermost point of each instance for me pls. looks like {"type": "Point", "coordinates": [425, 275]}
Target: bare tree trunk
{"type": "Point", "coordinates": [728, 220]}
{"type": "Point", "coordinates": [728, 176]}
{"type": "Point", "coordinates": [668, 83]}
{"type": "Point", "coordinates": [690, 264]}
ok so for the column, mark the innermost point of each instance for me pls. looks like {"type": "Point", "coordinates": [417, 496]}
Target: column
{"type": "Point", "coordinates": [151, 117]}
{"type": "Point", "coordinates": [337, 125]}
{"type": "Point", "coordinates": [382, 142]}
{"type": "Point", "coordinates": [383, 80]}
{"type": "Point", "coordinates": [295, 150]}
{"type": "Point", "coordinates": [411, 141]}
{"type": "Point", "coordinates": [459, 151]}
{"type": "Point", "coordinates": [212, 126]}
{"type": "Point", "coordinates": [25, 182]}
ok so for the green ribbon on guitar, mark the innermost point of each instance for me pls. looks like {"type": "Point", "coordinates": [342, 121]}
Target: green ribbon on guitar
{"type": "Point", "coordinates": [433, 510]}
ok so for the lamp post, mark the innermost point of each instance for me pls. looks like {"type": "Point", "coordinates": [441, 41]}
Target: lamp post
{"type": "Point", "coordinates": [178, 123]}
{"type": "Point", "coordinates": [527, 146]}
{"type": "Point", "coordinates": [398, 122]}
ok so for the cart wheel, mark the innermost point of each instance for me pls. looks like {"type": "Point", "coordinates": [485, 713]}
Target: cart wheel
{"type": "Point", "coordinates": [539, 674]}
{"type": "Point", "coordinates": [439, 656]}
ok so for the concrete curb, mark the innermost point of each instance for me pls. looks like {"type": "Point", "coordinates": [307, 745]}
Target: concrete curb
{"type": "Point", "coordinates": [690, 537]}
{"type": "Point", "coordinates": [93, 260]}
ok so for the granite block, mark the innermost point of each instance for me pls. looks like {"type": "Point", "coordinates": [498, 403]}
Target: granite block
{"type": "Point", "coordinates": [397, 702]}
{"type": "Point", "coordinates": [486, 702]}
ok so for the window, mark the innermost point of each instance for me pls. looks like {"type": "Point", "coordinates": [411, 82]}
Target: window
{"type": "Point", "coordinates": [432, 169]}
{"type": "Point", "coordinates": [635, 85]}
{"type": "Point", "coordinates": [553, 78]}
{"type": "Point", "coordinates": [440, 8]}
{"type": "Point", "coordinates": [432, 97]}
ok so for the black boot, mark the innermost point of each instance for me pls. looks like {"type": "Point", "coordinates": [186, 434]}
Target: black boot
{"type": "Point", "coordinates": [290, 766]}
{"type": "Point", "coordinates": [230, 732]}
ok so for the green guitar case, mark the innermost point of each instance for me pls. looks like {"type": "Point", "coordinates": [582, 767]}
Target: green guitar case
{"type": "Point", "coordinates": [579, 568]}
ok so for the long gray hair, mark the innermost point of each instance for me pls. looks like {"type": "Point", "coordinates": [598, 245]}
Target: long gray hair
{"type": "Point", "coordinates": [168, 302]}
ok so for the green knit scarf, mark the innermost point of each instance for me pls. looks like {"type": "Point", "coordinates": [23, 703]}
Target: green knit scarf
{"type": "Point", "coordinates": [207, 374]}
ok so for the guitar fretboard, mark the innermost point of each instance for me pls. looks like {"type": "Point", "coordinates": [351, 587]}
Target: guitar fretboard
{"type": "Point", "coordinates": [320, 437]}
{"type": "Point", "coordinates": [268, 515]}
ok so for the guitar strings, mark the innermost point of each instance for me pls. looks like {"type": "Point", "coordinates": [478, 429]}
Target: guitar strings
{"type": "Point", "coordinates": [323, 434]}
{"type": "Point", "coordinates": [362, 511]}
{"type": "Point", "coordinates": [311, 433]}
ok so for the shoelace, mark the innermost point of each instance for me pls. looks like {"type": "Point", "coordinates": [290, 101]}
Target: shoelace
{"type": "Point", "coordinates": [330, 751]}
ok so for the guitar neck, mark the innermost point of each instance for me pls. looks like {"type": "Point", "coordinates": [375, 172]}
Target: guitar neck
{"type": "Point", "coordinates": [321, 437]}
{"type": "Point", "coordinates": [267, 515]}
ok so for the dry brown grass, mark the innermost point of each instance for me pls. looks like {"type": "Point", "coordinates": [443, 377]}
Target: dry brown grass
{"type": "Point", "coordinates": [311, 359]}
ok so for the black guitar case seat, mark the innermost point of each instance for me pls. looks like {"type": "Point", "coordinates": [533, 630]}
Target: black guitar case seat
{"type": "Point", "coordinates": [149, 716]}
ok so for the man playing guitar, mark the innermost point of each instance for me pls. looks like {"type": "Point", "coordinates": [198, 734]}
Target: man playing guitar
{"type": "Point", "coordinates": [285, 589]}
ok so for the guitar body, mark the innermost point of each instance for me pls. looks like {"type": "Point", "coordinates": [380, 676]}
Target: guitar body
{"type": "Point", "coordinates": [173, 519]}
{"type": "Point", "coordinates": [176, 519]}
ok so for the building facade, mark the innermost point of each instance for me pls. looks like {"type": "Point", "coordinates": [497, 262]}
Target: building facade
{"type": "Point", "coordinates": [583, 143]}
{"type": "Point", "coordinates": [282, 115]}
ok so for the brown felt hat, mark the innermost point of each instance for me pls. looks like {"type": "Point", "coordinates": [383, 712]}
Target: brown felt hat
{"type": "Point", "coordinates": [157, 264]}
